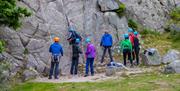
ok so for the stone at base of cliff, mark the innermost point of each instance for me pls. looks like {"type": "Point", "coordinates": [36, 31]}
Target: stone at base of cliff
{"type": "Point", "coordinates": [114, 67]}
{"type": "Point", "coordinates": [151, 57]}
{"type": "Point", "coordinates": [110, 71]}
{"type": "Point", "coordinates": [173, 67]}
{"type": "Point", "coordinates": [29, 74]}
{"type": "Point", "coordinates": [171, 56]}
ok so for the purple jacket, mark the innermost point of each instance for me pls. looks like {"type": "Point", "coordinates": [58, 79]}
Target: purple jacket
{"type": "Point", "coordinates": [90, 51]}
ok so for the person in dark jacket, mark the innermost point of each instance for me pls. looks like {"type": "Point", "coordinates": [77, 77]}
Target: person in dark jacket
{"type": "Point", "coordinates": [75, 57]}
{"type": "Point", "coordinates": [56, 51]}
{"type": "Point", "coordinates": [136, 47]}
{"type": "Point", "coordinates": [106, 42]}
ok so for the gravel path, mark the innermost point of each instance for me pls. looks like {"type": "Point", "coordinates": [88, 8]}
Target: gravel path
{"type": "Point", "coordinates": [95, 78]}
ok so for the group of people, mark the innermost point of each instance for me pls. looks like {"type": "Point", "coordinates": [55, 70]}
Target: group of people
{"type": "Point", "coordinates": [129, 46]}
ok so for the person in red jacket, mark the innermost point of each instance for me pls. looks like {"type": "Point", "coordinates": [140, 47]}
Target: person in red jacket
{"type": "Point", "coordinates": [131, 38]}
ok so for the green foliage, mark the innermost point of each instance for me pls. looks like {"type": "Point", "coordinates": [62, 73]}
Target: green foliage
{"type": "Point", "coordinates": [174, 36]}
{"type": "Point", "coordinates": [133, 24]}
{"type": "Point", "coordinates": [26, 51]}
{"type": "Point", "coordinates": [10, 13]}
{"type": "Point", "coordinates": [121, 10]}
{"type": "Point", "coordinates": [2, 44]}
{"type": "Point", "coordinates": [147, 31]}
{"type": "Point", "coordinates": [174, 20]}
{"type": "Point", "coordinates": [175, 14]}
{"type": "Point", "coordinates": [141, 82]}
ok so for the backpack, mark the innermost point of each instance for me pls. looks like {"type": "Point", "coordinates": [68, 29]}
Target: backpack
{"type": "Point", "coordinates": [126, 45]}
{"type": "Point", "coordinates": [136, 42]}
{"type": "Point", "coordinates": [74, 36]}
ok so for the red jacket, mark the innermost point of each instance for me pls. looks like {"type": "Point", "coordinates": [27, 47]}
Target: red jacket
{"type": "Point", "coordinates": [131, 38]}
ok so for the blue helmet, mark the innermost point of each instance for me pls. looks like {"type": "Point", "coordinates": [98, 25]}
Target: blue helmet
{"type": "Point", "coordinates": [88, 40]}
{"type": "Point", "coordinates": [130, 30]}
{"type": "Point", "coordinates": [135, 33]}
{"type": "Point", "coordinates": [126, 36]}
{"type": "Point", "coordinates": [77, 40]}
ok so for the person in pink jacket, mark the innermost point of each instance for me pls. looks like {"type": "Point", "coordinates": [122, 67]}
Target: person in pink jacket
{"type": "Point", "coordinates": [90, 56]}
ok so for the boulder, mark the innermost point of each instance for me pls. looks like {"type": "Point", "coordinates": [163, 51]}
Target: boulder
{"type": "Point", "coordinates": [110, 71]}
{"type": "Point", "coordinates": [108, 5]}
{"type": "Point", "coordinates": [151, 57]}
{"type": "Point", "coordinates": [173, 67]}
{"type": "Point", "coordinates": [171, 56]}
{"type": "Point", "coordinates": [29, 74]}
{"type": "Point", "coordinates": [114, 67]}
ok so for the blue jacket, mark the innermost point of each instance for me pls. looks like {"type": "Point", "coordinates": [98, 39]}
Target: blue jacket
{"type": "Point", "coordinates": [56, 48]}
{"type": "Point", "coordinates": [106, 40]}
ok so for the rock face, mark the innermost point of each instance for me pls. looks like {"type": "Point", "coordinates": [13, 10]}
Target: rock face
{"type": "Point", "coordinates": [151, 57]}
{"type": "Point", "coordinates": [29, 74]}
{"type": "Point", "coordinates": [150, 13]}
{"type": "Point", "coordinates": [171, 56]}
{"type": "Point", "coordinates": [28, 47]}
{"type": "Point", "coordinates": [173, 67]}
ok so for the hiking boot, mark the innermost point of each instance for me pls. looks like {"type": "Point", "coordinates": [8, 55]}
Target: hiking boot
{"type": "Point", "coordinates": [75, 76]}
{"type": "Point", "coordinates": [131, 66]}
{"type": "Point", "coordinates": [50, 77]}
{"type": "Point", "coordinates": [85, 75]}
{"type": "Point", "coordinates": [56, 78]}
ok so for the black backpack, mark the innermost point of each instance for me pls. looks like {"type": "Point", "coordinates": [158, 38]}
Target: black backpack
{"type": "Point", "coordinates": [74, 36]}
{"type": "Point", "coordinates": [136, 42]}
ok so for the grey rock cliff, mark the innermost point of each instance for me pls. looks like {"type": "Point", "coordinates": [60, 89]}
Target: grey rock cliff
{"type": "Point", "coordinates": [49, 18]}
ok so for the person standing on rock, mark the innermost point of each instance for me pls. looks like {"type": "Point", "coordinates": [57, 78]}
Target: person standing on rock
{"type": "Point", "coordinates": [126, 48]}
{"type": "Point", "coordinates": [75, 57]}
{"type": "Point", "coordinates": [90, 56]}
{"type": "Point", "coordinates": [56, 51]}
{"type": "Point", "coordinates": [106, 42]}
{"type": "Point", "coordinates": [136, 47]}
{"type": "Point", "coordinates": [131, 38]}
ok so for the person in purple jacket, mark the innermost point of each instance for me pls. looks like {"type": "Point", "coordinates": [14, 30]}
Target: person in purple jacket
{"type": "Point", "coordinates": [90, 55]}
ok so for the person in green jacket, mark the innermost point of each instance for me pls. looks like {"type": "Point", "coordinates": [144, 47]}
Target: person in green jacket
{"type": "Point", "coordinates": [126, 48]}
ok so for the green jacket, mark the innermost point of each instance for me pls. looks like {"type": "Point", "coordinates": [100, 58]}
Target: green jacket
{"type": "Point", "coordinates": [125, 44]}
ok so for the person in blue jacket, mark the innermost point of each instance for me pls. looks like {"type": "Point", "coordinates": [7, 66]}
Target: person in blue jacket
{"type": "Point", "coordinates": [56, 51]}
{"type": "Point", "coordinates": [107, 42]}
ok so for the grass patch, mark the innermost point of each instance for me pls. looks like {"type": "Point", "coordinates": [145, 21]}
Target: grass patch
{"type": "Point", "coordinates": [162, 41]}
{"type": "Point", "coordinates": [143, 82]}
{"type": "Point", "coordinates": [121, 10]}
{"type": "Point", "coordinates": [133, 24]}
{"type": "Point", "coordinates": [157, 41]}
{"type": "Point", "coordinates": [2, 46]}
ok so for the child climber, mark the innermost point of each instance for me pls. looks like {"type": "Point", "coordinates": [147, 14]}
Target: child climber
{"type": "Point", "coordinates": [75, 57]}
{"type": "Point", "coordinates": [90, 55]}
{"type": "Point", "coordinates": [126, 48]}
